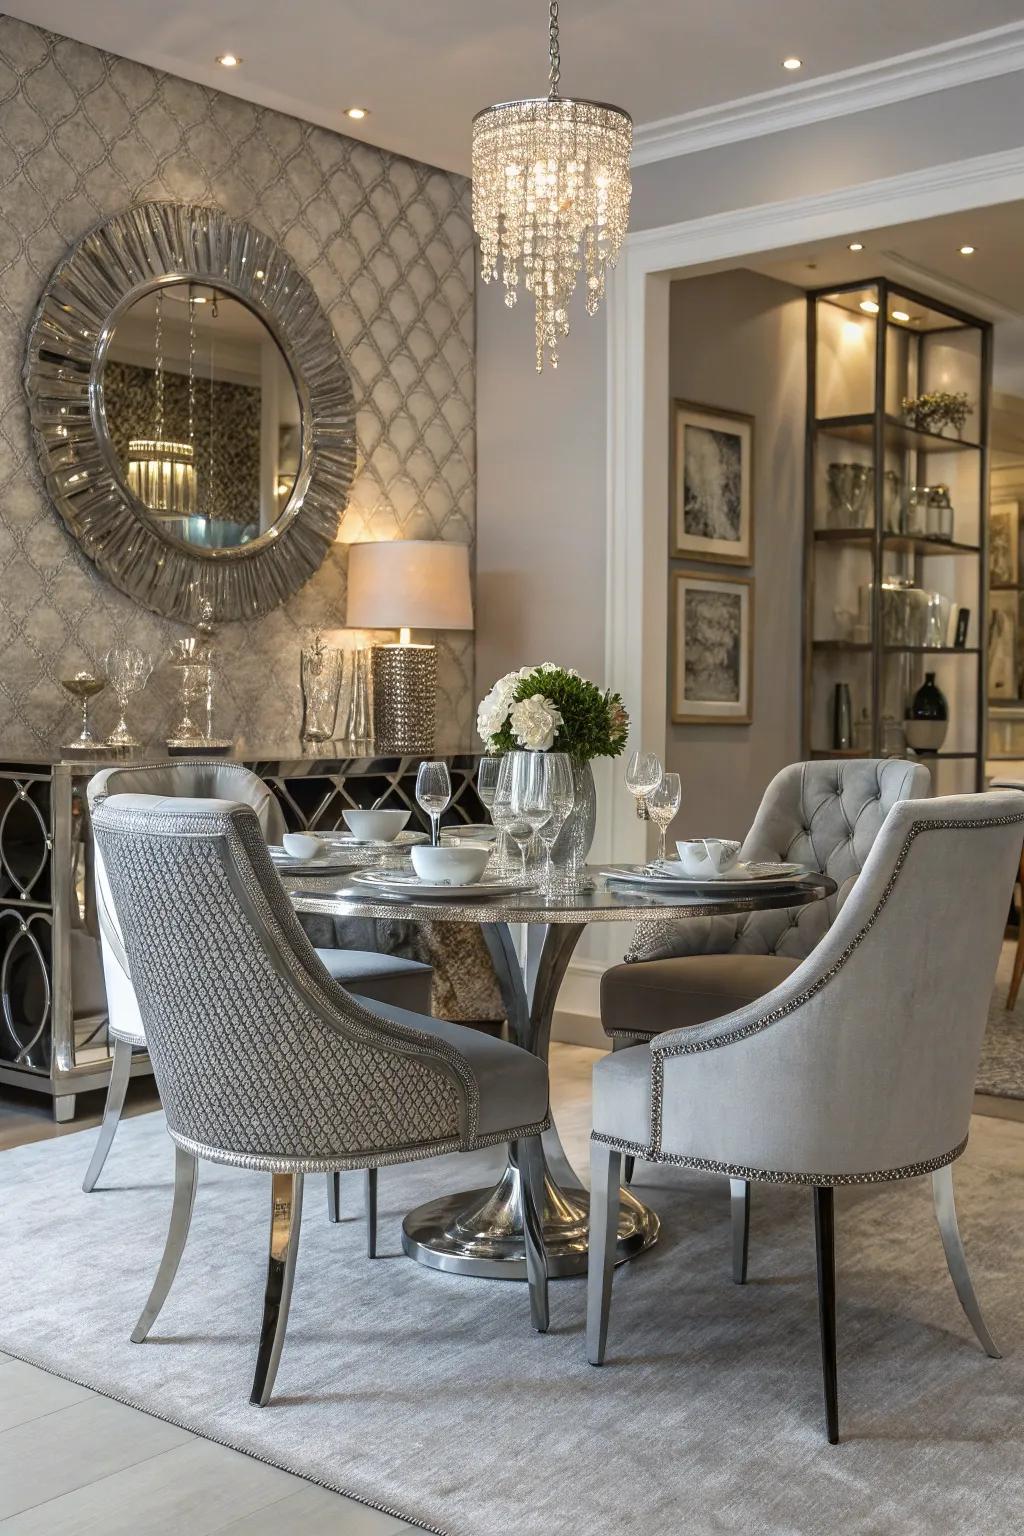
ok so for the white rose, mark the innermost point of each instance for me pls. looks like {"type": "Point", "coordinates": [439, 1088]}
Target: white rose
{"type": "Point", "coordinates": [492, 713]}
{"type": "Point", "coordinates": [535, 722]}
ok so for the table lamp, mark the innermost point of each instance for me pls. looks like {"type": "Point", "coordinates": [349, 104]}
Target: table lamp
{"type": "Point", "coordinates": [407, 584]}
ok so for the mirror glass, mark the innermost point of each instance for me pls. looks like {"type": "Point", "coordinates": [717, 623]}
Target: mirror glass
{"type": "Point", "coordinates": [203, 415]}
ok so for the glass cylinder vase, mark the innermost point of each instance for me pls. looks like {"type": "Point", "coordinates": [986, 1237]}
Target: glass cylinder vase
{"type": "Point", "coordinates": [321, 669]}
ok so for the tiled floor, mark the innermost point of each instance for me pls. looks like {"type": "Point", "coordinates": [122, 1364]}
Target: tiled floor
{"type": "Point", "coordinates": [73, 1463]}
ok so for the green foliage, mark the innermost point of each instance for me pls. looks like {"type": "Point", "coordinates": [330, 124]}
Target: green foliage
{"type": "Point", "coordinates": [594, 723]}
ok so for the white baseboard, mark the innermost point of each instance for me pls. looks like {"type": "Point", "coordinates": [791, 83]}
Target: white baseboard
{"type": "Point", "coordinates": [577, 1019]}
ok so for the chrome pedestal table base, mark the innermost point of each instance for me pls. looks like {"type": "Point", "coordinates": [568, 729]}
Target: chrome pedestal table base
{"type": "Point", "coordinates": [480, 1231]}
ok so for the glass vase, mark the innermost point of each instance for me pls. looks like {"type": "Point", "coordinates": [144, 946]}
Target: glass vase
{"type": "Point", "coordinates": [321, 670]}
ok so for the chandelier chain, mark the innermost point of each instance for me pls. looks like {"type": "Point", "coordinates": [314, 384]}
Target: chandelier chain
{"type": "Point", "coordinates": [554, 73]}
{"type": "Point", "coordinates": [158, 365]}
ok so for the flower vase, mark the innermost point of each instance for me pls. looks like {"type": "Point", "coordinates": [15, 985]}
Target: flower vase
{"type": "Point", "coordinates": [572, 845]}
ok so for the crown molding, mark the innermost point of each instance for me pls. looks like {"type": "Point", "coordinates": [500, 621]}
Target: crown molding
{"type": "Point", "coordinates": [981, 56]}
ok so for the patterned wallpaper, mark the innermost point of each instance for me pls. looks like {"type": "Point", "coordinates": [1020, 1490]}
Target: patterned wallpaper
{"type": "Point", "coordinates": [387, 245]}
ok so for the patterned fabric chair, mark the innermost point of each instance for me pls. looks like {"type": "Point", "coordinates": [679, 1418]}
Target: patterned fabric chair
{"type": "Point", "coordinates": [384, 977]}
{"type": "Point", "coordinates": [825, 815]}
{"type": "Point", "coordinates": [858, 1068]}
{"type": "Point", "coordinates": [265, 1062]}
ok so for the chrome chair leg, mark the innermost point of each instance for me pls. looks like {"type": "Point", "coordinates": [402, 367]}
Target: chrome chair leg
{"type": "Point", "coordinates": [334, 1196]}
{"type": "Point", "coordinates": [956, 1259]}
{"type": "Point", "coordinates": [825, 1248]}
{"type": "Point", "coordinates": [740, 1208]}
{"type": "Point", "coordinates": [628, 1165]}
{"type": "Point", "coordinates": [120, 1071]}
{"type": "Point", "coordinates": [604, 1220]}
{"type": "Point", "coordinates": [186, 1174]}
{"type": "Point", "coordinates": [370, 1197]}
{"type": "Point", "coordinates": [285, 1221]}
{"type": "Point", "coordinates": [531, 1168]}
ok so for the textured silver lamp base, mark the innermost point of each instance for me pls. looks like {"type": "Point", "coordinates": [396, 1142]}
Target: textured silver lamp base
{"type": "Point", "coordinates": [404, 698]}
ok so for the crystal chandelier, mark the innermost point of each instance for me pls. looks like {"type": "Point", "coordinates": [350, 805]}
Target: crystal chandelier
{"type": "Point", "coordinates": [551, 190]}
{"type": "Point", "coordinates": [161, 472]}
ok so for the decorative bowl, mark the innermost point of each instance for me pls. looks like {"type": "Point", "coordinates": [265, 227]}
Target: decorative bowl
{"type": "Point", "coordinates": [375, 826]}
{"type": "Point", "coordinates": [707, 855]}
{"type": "Point", "coordinates": [453, 866]}
{"type": "Point", "coordinates": [301, 845]}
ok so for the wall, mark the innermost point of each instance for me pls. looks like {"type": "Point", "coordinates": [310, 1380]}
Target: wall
{"type": "Point", "coordinates": [386, 244]}
{"type": "Point", "coordinates": [737, 341]}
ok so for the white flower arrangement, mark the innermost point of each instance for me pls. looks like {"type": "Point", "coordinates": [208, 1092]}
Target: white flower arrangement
{"type": "Point", "coordinates": [537, 708]}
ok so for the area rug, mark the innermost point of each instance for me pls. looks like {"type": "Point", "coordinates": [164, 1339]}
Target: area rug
{"type": "Point", "coordinates": [1001, 1070]}
{"type": "Point", "coordinates": [429, 1396]}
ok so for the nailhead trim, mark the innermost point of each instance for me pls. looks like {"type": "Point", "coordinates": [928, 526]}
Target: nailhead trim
{"type": "Point", "coordinates": [775, 1176]}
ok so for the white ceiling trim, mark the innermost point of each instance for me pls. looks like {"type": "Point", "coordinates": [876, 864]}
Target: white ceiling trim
{"type": "Point", "coordinates": [982, 56]}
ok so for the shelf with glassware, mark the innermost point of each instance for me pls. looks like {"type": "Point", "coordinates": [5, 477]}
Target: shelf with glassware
{"type": "Point", "coordinates": [895, 504]}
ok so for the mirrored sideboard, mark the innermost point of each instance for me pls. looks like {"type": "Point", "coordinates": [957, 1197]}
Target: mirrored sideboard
{"type": "Point", "coordinates": [53, 1018]}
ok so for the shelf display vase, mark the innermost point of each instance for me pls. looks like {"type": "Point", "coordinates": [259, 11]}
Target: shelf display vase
{"type": "Point", "coordinates": [928, 720]}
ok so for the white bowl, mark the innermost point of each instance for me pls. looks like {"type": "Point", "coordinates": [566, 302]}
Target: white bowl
{"type": "Point", "coordinates": [301, 845]}
{"type": "Point", "coordinates": [452, 866]}
{"type": "Point", "coordinates": [707, 856]}
{"type": "Point", "coordinates": [375, 826]}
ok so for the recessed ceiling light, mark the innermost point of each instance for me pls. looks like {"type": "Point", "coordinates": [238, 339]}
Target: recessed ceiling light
{"type": "Point", "coordinates": [229, 60]}
{"type": "Point", "coordinates": [900, 314]}
{"type": "Point", "coordinates": [869, 306]}
{"type": "Point", "coordinates": [793, 63]}
{"type": "Point", "coordinates": [855, 245]}
{"type": "Point", "coordinates": [357, 113]}
{"type": "Point", "coordinates": [967, 250]}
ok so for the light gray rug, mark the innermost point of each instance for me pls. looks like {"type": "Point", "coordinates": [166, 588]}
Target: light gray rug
{"type": "Point", "coordinates": [1001, 1070]}
{"type": "Point", "coordinates": [430, 1396]}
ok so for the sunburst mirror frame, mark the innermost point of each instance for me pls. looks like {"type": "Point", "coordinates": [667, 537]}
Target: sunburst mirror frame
{"type": "Point", "coordinates": [152, 246]}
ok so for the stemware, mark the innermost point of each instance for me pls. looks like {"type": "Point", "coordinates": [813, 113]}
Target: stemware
{"type": "Point", "coordinates": [128, 671]}
{"type": "Point", "coordinates": [83, 686]}
{"type": "Point", "coordinates": [663, 806]}
{"type": "Point", "coordinates": [643, 773]}
{"type": "Point", "coordinates": [487, 775]}
{"type": "Point", "coordinates": [560, 795]}
{"type": "Point", "coordinates": [522, 787]}
{"type": "Point", "coordinates": [433, 793]}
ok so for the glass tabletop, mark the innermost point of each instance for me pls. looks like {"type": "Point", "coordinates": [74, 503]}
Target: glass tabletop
{"type": "Point", "coordinates": [337, 897]}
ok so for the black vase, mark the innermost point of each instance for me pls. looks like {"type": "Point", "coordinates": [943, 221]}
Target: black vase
{"type": "Point", "coordinates": [928, 719]}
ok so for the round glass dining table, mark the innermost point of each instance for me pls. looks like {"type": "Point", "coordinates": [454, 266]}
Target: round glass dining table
{"type": "Point", "coordinates": [480, 1231]}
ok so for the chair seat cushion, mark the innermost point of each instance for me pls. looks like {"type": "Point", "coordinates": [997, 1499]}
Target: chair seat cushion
{"type": "Point", "coordinates": [513, 1083]}
{"type": "Point", "coordinates": [646, 998]}
{"type": "Point", "coordinates": [381, 978]}
{"type": "Point", "coordinates": [622, 1096]}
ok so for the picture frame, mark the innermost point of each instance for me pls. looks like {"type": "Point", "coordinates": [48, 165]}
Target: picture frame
{"type": "Point", "coordinates": [712, 477]}
{"type": "Point", "coordinates": [712, 649]}
{"type": "Point", "coordinates": [1003, 646]}
{"type": "Point", "coordinates": [1003, 543]}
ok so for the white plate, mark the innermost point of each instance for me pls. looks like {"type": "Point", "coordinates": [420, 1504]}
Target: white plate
{"type": "Point", "coordinates": [738, 878]}
{"type": "Point", "coordinates": [399, 883]}
{"type": "Point", "coordinates": [330, 862]}
{"type": "Point", "coordinates": [763, 869]}
{"type": "Point", "coordinates": [337, 840]}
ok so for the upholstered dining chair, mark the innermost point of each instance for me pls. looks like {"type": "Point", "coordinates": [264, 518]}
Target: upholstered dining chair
{"type": "Point", "coordinates": [1017, 974]}
{"type": "Point", "coordinates": [387, 978]}
{"type": "Point", "coordinates": [265, 1062]}
{"type": "Point", "coordinates": [825, 815]}
{"type": "Point", "coordinates": [859, 1067]}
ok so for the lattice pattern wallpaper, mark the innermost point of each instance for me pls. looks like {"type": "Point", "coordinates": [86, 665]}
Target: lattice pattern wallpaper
{"type": "Point", "coordinates": [387, 245]}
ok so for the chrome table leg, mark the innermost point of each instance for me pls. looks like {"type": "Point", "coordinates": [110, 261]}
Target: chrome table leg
{"type": "Point", "coordinates": [480, 1231]}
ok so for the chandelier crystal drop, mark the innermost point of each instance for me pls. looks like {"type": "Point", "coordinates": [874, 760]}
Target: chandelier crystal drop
{"type": "Point", "coordinates": [551, 191]}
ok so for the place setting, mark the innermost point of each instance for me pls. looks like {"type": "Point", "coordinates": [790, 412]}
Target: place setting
{"type": "Point", "coordinates": [370, 835]}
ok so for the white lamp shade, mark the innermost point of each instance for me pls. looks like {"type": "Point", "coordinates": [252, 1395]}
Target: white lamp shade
{"type": "Point", "coordinates": [409, 584]}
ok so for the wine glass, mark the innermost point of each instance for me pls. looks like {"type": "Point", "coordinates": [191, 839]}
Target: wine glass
{"type": "Point", "coordinates": [560, 796]}
{"type": "Point", "coordinates": [433, 792]}
{"type": "Point", "coordinates": [502, 816]}
{"type": "Point", "coordinates": [643, 773]}
{"type": "Point", "coordinates": [522, 784]}
{"type": "Point", "coordinates": [128, 671]}
{"type": "Point", "coordinates": [486, 787]}
{"type": "Point", "coordinates": [663, 806]}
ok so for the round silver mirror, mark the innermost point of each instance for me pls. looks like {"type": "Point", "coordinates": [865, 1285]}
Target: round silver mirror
{"type": "Point", "coordinates": [192, 411]}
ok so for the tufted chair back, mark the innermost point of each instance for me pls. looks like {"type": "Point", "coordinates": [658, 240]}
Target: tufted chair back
{"type": "Point", "coordinates": [261, 1059]}
{"type": "Point", "coordinates": [194, 777]}
{"type": "Point", "coordinates": [825, 815]}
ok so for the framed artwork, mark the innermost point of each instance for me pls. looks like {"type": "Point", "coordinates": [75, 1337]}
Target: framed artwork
{"type": "Point", "coordinates": [712, 649]}
{"type": "Point", "coordinates": [1003, 630]}
{"type": "Point", "coordinates": [712, 475]}
{"type": "Point", "coordinates": [1003, 538]}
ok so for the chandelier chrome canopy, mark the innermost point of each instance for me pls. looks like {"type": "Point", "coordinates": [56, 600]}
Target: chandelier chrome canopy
{"type": "Point", "coordinates": [551, 190]}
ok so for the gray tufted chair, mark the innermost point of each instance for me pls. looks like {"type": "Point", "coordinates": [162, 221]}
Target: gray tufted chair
{"type": "Point", "coordinates": [825, 815]}
{"type": "Point", "coordinates": [265, 1062]}
{"type": "Point", "coordinates": [384, 977]}
{"type": "Point", "coordinates": [858, 1068]}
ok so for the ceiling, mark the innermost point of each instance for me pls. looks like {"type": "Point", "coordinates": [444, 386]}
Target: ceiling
{"type": "Point", "coordinates": [423, 67]}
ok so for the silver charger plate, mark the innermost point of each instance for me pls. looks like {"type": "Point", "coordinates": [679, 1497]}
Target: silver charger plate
{"type": "Point", "coordinates": [327, 863]}
{"type": "Point", "coordinates": [400, 882]}
{"type": "Point", "coordinates": [761, 874]}
{"type": "Point", "coordinates": [349, 840]}
{"type": "Point", "coordinates": [481, 831]}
